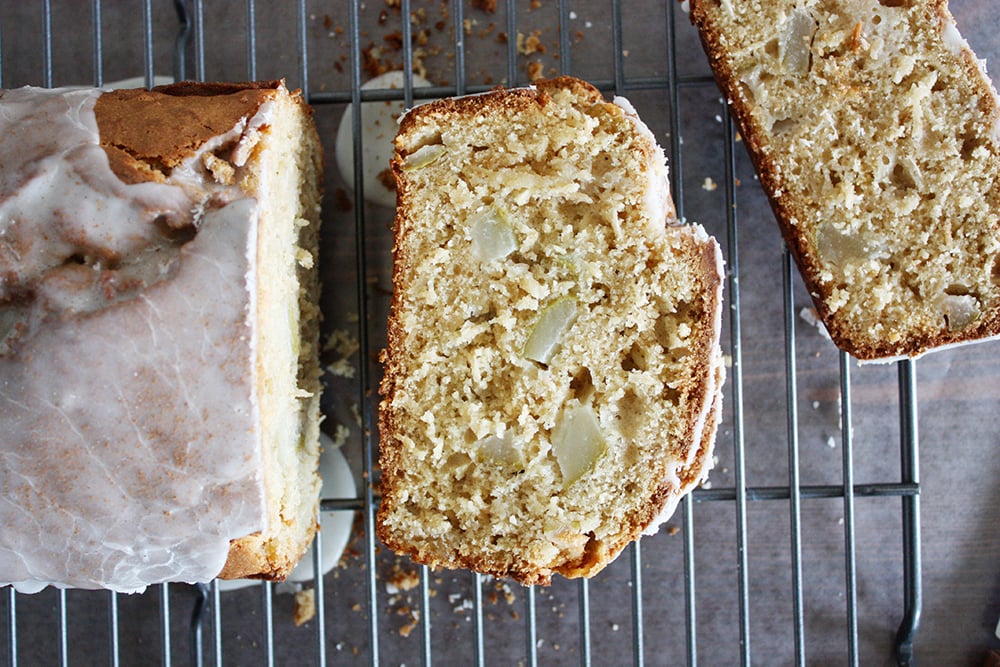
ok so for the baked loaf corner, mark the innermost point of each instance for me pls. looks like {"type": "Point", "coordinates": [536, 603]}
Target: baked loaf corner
{"type": "Point", "coordinates": [552, 380]}
{"type": "Point", "coordinates": [876, 134]}
{"type": "Point", "coordinates": [158, 335]}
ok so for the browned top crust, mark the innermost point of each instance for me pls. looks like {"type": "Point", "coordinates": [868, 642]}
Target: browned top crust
{"type": "Point", "coordinates": [146, 133]}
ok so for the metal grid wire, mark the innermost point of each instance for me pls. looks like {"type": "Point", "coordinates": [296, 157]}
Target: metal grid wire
{"type": "Point", "coordinates": [207, 638]}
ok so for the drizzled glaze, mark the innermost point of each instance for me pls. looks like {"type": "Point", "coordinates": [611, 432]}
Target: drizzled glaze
{"type": "Point", "coordinates": [130, 451]}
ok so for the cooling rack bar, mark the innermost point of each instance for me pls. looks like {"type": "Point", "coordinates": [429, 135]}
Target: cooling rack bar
{"type": "Point", "coordinates": [583, 596]}
{"type": "Point", "coordinates": [98, 42]}
{"type": "Point", "coordinates": [677, 191]}
{"type": "Point", "coordinates": [11, 627]}
{"type": "Point", "coordinates": [63, 644]}
{"type": "Point", "coordinates": [199, 40]}
{"type": "Point", "coordinates": [364, 347]}
{"type": "Point", "coordinates": [302, 35]}
{"type": "Point", "coordinates": [196, 626]}
{"type": "Point", "coordinates": [251, 15]}
{"type": "Point", "coordinates": [320, 596]}
{"type": "Point", "coordinates": [847, 466]}
{"type": "Point", "coordinates": [113, 650]}
{"type": "Point", "coordinates": [425, 613]}
{"type": "Point", "coordinates": [47, 44]}
{"type": "Point", "coordinates": [910, 473]}
{"type": "Point", "coordinates": [753, 493]}
{"type": "Point", "coordinates": [809, 492]}
{"type": "Point", "coordinates": [434, 92]}
{"type": "Point", "coordinates": [511, 44]}
{"type": "Point", "coordinates": [147, 43]}
{"type": "Point", "coordinates": [637, 620]}
{"type": "Point", "coordinates": [616, 46]}
{"type": "Point", "coordinates": [165, 657]}
{"type": "Point", "coordinates": [217, 622]}
{"type": "Point", "coordinates": [794, 481]}
{"type": "Point", "coordinates": [735, 338]}
{"type": "Point", "coordinates": [407, 29]}
{"type": "Point", "coordinates": [531, 627]}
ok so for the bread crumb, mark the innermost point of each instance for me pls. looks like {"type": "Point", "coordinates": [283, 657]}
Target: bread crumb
{"type": "Point", "coordinates": [535, 71]}
{"type": "Point", "coordinates": [341, 368]}
{"type": "Point", "coordinates": [343, 344]}
{"type": "Point", "coordinates": [386, 179]}
{"type": "Point", "coordinates": [527, 45]}
{"type": "Point", "coordinates": [408, 628]}
{"type": "Point", "coordinates": [401, 580]}
{"type": "Point", "coordinates": [673, 529]}
{"type": "Point", "coordinates": [305, 607]}
{"type": "Point", "coordinates": [709, 184]}
{"type": "Point", "coordinates": [223, 172]}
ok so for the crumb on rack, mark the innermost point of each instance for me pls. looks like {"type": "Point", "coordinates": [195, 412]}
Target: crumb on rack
{"type": "Point", "coordinates": [529, 44]}
{"type": "Point", "coordinates": [411, 624]}
{"type": "Point", "coordinates": [401, 580]}
{"type": "Point", "coordinates": [305, 607]}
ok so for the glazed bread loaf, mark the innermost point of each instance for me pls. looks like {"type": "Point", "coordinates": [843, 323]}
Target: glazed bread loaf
{"type": "Point", "coordinates": [158, 324]}
{"type": "Point", "coordinates": [552, 378]}
{"type": "Point", "coordinates": [875, 133]}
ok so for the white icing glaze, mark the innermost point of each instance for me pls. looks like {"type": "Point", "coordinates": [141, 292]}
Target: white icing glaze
{"type": "Point", "coordinates": [712, 405]}
{"type": "Point", "coordinates": [131, 453]}
{"type": "Point", "coordinates": [657, 195]}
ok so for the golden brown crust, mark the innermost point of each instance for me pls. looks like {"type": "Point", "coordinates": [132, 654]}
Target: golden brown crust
{"type": "Point", "coordinates": [146, 133]}
{"type": "Point", "coordinates": [787, 209]}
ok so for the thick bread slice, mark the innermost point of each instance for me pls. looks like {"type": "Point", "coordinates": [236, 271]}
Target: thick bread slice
{"type": "Point", "coordinates": [552, 377]}
{"type": "Point", "coordinates": [876, 134]}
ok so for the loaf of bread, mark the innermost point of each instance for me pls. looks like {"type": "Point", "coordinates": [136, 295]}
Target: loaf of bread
{"type": "Point", "coordinates": [876, 135]}
{"type": "Point", "coordinates": [552, 378]}
{"type": "Point", "coordinates": [158, 324]}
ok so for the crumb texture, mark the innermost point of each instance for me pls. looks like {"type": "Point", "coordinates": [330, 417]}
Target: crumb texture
{"type": "Point", "coordinates": [552, 371]}
{"type": "Point", "coordinates": [876, 133]}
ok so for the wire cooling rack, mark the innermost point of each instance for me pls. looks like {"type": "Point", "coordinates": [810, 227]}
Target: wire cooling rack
{"type": "Point", "coordinates": [772, 563]}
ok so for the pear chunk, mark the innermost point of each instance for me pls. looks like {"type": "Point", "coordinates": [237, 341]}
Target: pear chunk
{"type": "Point", "coordinates": [552, 325]}
{"type": "Point", "coordinates": [578, 442]}
{"type": "Point", "coordinates": [492, 236]}
{"type": "Point", "coordinates": [423, 156]}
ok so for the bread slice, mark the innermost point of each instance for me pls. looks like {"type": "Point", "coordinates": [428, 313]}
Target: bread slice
{"type": "Point", "coordinates": [552, 377]}
{"type": "Point", "coordinates": [158, 335]}
{"type": "Point", "coordinates": [876, 135]}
